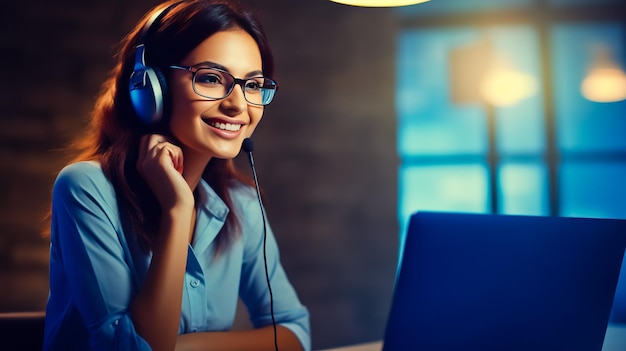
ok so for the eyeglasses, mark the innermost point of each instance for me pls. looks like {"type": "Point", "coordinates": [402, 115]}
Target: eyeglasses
{"type": "Point", "coordinates": [214, 83]}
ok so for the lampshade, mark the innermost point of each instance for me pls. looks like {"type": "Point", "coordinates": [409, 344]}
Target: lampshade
{"type": "Point", "coordinates": [379, 3]}
{"type": "Point", "coordinates": [604, 85]}
{"type": "Point", "coordinates": [606, 81]}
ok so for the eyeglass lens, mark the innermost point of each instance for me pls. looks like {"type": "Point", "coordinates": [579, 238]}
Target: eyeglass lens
{"type": "Point", "coordinates": [217, 84]}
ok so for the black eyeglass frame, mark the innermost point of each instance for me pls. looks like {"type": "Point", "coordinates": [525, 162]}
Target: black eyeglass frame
{"type": "Point", "coordinates": [236, 81]}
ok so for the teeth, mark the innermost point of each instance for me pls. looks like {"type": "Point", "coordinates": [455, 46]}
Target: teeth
{"type": "Point", "coordinates": [226, 126]}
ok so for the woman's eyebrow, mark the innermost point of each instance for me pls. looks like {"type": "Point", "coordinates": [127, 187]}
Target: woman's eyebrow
{"type": "Point", "coordinates": [209, 64]}
{"type": "Point", "coordinates": [254, 74]}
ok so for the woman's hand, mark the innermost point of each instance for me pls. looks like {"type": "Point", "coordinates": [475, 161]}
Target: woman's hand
{"type": "Point", "coordinates": [160, 163]}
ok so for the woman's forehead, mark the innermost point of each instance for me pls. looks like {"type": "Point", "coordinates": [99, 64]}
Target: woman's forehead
{"type": "Point", "coordinates": [234, 50]}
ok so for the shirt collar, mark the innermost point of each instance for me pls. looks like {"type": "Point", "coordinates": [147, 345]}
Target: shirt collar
{"type": "Point", "coordinates": [210, 201]}
{"type": "Point", "coordinates": [211, 216]}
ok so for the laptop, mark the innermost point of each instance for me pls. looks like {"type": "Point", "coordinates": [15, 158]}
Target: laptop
{"type": "Point", "coordinates": [505, 283]}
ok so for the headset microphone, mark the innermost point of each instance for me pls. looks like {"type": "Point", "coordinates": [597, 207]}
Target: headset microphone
{"type": "Point", "coordinates": [247, 146]}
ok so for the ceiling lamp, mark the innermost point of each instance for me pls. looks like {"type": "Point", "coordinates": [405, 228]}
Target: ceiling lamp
{"type": "Point", "coordinates": [606, 81]}
{"type": "Point", "coordinates": [379, 3]}
{"type": "Point", "coordinates": [503, 85]}
{"type": "Point", "coordinates": [478, 74]}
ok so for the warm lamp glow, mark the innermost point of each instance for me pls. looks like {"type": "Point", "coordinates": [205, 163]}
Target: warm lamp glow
{"type": "Point", "coordinates": [379, 3]}
{"type": "Point", "coordinates": [504, 86]}
{"type": "Point", "coordinates": [606, 81]}
{"type": "Point", "coordinates": [479, 74]}
{"type": "Point", "coordinates": [604, 85]}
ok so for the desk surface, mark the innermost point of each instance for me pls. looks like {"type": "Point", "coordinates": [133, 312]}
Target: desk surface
{"type": "Point", "coordinates": [370, 346]}
{"type": "Point", "coordinates": [615, 340]}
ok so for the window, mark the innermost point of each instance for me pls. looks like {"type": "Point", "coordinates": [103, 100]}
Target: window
{"type": "Point", "coordinates": [552, 152]}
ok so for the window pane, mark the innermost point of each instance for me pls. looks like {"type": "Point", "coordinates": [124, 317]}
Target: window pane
{"type": "Point", "coordinates": [443, 188]}
{"type": "Point", "coordinates": [520, 127]}
{"type": "Point", "coordinates": [583, 125]}
{"type": "Point", "coordinates": [428, 123]}
{"type": "Point", "coordinates": [523, 189]}
{"type": "Point", "coordinates": [593, 189]}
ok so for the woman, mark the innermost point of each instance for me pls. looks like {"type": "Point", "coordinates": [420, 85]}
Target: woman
{"type": "Point", "coordinates": [154, 234]}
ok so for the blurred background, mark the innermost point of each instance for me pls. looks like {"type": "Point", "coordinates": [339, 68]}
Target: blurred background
{"type": "Point", "coordinates": [489, 106]}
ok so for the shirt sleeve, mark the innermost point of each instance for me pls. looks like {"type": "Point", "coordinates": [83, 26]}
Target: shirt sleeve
{"type": "Point", "coordinates": [87, 234]}
{"type": "Point", "coordinates": [288, 310]}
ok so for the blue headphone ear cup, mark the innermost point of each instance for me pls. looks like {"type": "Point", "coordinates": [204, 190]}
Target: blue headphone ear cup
{"type": "Point", "coordinates": [165, 93]}
{"type": "Point", "coordinates": [147, 85]}
{"type": "Point", "coordinates": [147, 94]}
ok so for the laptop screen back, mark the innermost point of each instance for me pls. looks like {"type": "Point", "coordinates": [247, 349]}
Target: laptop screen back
{"type": "Point", "coordinates": [503, 282]}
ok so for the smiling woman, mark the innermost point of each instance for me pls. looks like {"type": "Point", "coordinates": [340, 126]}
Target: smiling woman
{"type": "Point", "coordinates": [154, 234]}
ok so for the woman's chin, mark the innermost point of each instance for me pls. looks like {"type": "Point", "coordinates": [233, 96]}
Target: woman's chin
{"type": "Point", "coordinates": [226, 154]}
{"type": "Point", "coordinates": [224, 149]}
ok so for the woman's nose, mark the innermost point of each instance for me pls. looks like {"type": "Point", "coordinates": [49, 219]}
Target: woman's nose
{"type": "Point", "coordinates": [236, 99]}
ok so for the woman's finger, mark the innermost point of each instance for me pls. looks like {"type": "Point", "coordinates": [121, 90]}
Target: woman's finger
{"type": "Point", "coordinates": [151, 146]}
{"type": "Point", "coordinates": [171, 153]}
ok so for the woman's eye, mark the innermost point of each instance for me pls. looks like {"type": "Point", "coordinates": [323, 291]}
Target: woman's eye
{"type": "Point", "coordinates": [253, 85]}
{"type": "Point", "coordinates": [208, 78]}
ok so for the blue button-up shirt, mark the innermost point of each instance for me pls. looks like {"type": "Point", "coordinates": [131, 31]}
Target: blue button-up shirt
{"type": "Point", "coordinates": [97, 266]}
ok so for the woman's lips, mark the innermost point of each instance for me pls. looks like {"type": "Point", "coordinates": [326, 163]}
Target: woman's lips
{"type": "Point", "coordinates": [224, 129]}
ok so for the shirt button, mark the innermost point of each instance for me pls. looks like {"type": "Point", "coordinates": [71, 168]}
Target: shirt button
{"type": "Point", "coordinates": [195, 283]}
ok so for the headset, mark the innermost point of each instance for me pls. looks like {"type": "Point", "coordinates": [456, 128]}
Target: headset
{"type": "Point", "coordinates": [147, 85]}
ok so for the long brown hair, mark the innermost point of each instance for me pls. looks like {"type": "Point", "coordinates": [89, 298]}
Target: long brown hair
{"type": "Point", "coordinates": [115, 129]}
